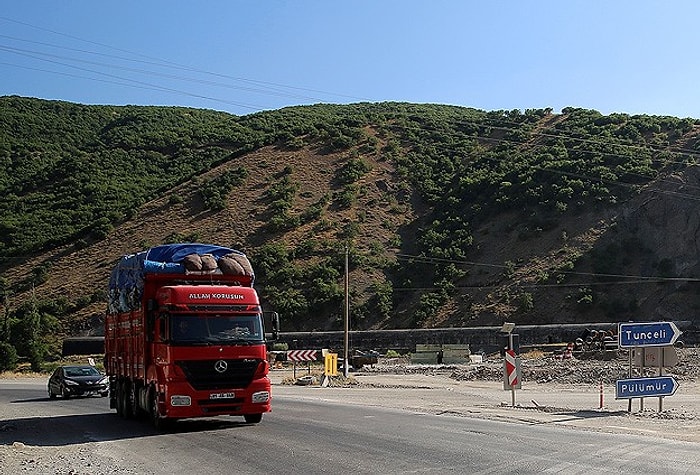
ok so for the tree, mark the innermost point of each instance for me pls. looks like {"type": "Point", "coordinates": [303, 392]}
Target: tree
{"type": "Point", "coordinates": [5, 324]}
{"type": "Point", "coordinates": [33, 321]}
{"type": "Point", "coordinates": [27, 328]}
{"type": "Point", "coordinates": [8, 357]}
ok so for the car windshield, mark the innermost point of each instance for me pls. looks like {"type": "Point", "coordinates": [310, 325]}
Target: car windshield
{"type": "Point", "coordinates": [77, 371]}
{"type": "Point", "coordinates": [195, 329]}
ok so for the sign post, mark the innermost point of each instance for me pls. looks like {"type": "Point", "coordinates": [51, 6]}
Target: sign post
{"type": "Point", "coordinates": [331, 364]}
{"type": "Point", "coordinates": [512, 373]}
{"type": "Point", "coordinates": [648, 342]}
{"type": "Point", "coordinates": [301, 355]}
{"type": "Point", "coordinates": [511, 364]}
{"type": "Point", "coordinates": [330, 368]}
{"type": "Point", "coordinates": [647, 334]}
{"type": "Point", "coordinates": [645, 387]}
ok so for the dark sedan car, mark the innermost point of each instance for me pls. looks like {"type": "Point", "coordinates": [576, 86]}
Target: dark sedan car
{"type": "Point", "coordinates": [77, 380]}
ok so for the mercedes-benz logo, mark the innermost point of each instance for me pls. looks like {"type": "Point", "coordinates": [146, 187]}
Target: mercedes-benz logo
{"type": "Point", "coordinates": [220, 366]}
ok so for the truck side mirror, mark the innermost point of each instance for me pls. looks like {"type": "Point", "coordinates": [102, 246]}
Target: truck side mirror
{"type": "Point", "coordinates": [275, 324]}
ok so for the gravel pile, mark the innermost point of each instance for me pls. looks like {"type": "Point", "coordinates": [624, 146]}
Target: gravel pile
{"type": "Point", "coordinates": [547, 369]}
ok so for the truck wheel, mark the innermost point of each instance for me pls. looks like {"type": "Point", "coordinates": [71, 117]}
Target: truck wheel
{"type": "Point", "coordinates": [118, 398]}
{"type": "Point", "coordinates": [126, 401]}
{"type": "Point", "coordinates": [252, 418]}
{"type": "Point", "coordinates": [160, 423]}
{"type": "Point", "coordinates": [133, 401]}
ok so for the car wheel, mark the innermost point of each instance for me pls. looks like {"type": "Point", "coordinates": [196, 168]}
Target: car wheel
{"type": "Point", "coordinates": [64, 392]}
{"type": "Point", "coordinates": [51, 394]}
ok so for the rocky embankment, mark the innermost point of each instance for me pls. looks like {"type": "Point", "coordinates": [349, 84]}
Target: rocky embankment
{"type": "Point", "coordinates": [543, 368]}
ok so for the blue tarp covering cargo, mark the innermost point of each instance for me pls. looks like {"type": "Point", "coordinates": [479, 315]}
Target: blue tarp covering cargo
{"type": "Point", "coordinates": [127, 280]}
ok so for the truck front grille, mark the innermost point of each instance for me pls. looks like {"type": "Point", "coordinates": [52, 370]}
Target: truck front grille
{"type": "Point", "coordinates": [212, 374]}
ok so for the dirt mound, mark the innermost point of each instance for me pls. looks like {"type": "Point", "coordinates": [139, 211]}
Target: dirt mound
{"type": "Point", "coordinates": [547, 369]}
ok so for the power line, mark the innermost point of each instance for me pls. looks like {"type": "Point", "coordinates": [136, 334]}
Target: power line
{"type": "Point", "coordinates": [270, 88]}
{"type": "Point", "coordinates": [164, 63]}
{"type": "Point", "coordinates": [38, 55]}
{"type": "Point", "coordinates": [645, 148]}
{"type": "Point", "coordinates": [536, 286]}
{"type": "Point", "coordinates": [693, 154]}
{"type": "Point", "coordinates": [134, 83]}
{"type": "Point", "coordinates": [633, 279]}
{"type": "Point", "coordinates": [115, 79]}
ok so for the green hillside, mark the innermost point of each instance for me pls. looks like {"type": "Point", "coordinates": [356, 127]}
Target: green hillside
{"type": "Point", "coordinates": [452, 216]}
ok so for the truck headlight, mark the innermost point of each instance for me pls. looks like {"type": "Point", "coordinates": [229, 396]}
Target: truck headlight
{"type": "Point", "coordinates": [177, 400]}
{"type": "Point", "coordinates": [261, 396]}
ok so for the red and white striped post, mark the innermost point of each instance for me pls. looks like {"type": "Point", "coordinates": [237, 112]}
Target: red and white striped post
{"type": "Point", "coordinates": [511, 364]}
{"type": "Point", "coordinates": [512, 373]}
{"type": "Point", "coordinates": [301, 355]}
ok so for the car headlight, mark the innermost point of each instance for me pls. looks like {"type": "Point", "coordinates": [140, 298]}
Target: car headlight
{"type": "Point", "coordinates": [70, 382]}
{"type": "Point", "coordinates": [104, 380]}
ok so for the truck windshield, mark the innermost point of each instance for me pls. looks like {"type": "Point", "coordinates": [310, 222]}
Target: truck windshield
{"type": "Point", "coordinates": [215, 329]}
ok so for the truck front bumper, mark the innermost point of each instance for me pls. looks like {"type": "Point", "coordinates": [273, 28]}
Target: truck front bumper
{"type": "Point", "coordinates": [182, 401]}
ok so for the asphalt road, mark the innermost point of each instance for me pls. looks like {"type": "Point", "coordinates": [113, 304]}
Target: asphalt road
{"type": "Point", "coordinates": [304, 435]}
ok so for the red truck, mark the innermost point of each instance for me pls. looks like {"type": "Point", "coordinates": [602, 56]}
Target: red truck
{"type": "Point", "coordinates": [185, 335]}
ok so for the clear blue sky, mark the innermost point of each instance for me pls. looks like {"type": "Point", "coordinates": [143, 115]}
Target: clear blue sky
{"type": "Point", "coordinates": [631, 56]}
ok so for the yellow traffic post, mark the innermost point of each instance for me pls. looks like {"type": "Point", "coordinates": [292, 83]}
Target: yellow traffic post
{"type": "Point", "coordinates": [331, 364]}
{"type": "Point", "coordinates": [330, 368]}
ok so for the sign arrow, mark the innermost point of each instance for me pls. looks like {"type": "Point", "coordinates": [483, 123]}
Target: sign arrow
{"type": "Point", "coordinates": [647, 334]}
{"type": "Point", "coordinates": [645, 387]}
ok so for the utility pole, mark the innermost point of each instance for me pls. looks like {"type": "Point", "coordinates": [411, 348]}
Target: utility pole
{"type": "Point", "coordinates": [346, 362]}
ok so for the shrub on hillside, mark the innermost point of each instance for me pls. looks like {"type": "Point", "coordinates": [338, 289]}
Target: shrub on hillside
{"type": "Point", "coordinates": [8, 357]}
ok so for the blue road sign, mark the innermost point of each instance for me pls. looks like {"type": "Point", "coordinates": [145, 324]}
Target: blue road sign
{"type": "Point", "coordinates": [647, 334]}
{"type": "Point", "coordinates": [645, 387]}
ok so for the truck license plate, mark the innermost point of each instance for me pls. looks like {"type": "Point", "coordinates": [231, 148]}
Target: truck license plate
{"type": "Point", "coordinates": [222, 396]}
